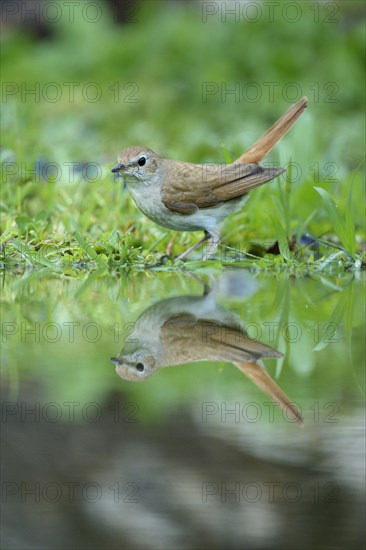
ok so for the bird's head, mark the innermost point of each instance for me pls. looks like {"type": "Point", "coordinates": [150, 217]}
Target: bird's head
{"type": "Point", "coordinates": [137, 162]}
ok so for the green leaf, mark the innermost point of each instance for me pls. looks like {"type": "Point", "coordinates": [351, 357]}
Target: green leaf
{"type": "Point", "coordinates": [41, 216]}
{"type": "Point", "coordinates": [334, 215]}
{"type": "Point", "coordinates": [350, 224]}
{"type": "Point", "coordinates": [32, 256]}
{"type": "Point", "coordinates": [282, 238]}
{"type": "Point", "coordinates": [114, 239]}
{"type": "Point", "coordinates": [85, 246]}
{"type": "Point", "coordinates": [24, 223]}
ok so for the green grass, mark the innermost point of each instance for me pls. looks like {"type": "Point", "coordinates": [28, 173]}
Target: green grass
{"type": "Point", "coordinates": [69, 225]}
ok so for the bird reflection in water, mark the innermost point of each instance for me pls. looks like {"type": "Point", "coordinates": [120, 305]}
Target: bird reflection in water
{"type": "Point", "coordinates": [188, 329]}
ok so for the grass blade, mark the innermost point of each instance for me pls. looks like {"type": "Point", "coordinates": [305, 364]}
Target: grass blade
{"type": "Point", "coordinates": [85, 246]}
{"type": "Point", "coordinates": [282, 238]}
{"type": "Point", "coordinates": [334, 215]}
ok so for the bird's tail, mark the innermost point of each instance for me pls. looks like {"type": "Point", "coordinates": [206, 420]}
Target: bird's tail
{"type": "Point", "coordinates": [269, 139]}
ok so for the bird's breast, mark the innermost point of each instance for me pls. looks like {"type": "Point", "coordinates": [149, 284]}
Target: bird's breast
{"type": "Point", "coordinates": [148, 198]}
{"type": "Point", "coordinates": [149, 201]}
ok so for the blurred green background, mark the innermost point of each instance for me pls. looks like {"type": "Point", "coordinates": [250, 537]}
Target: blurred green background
{"type": "Point", "coordinates": [81, 85]}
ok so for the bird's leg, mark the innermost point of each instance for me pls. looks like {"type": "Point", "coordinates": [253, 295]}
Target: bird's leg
{"type": "Point", "coordinates": [184, 254]}
{"type": "Point", "coordinates": [170, 245]}
{"type": "Point", "coordinates": [214, 242]}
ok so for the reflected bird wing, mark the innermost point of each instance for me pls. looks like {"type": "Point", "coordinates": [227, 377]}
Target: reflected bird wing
{"type": "Point", "coordinates": [201, 340]}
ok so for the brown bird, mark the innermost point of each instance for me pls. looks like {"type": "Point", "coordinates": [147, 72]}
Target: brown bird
{"type": "Point", "coordinates": [188, 329]}
{"type": "Point", "coordinates": [193, 197]}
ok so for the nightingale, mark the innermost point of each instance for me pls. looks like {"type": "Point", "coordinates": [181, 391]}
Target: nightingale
{"type": "Point", "coordinates": [188, 329]}
{"type": "Point", "coordinates": [192, 197]}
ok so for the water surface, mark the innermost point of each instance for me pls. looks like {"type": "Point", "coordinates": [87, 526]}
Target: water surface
{"type": "Point", "coordinates": [196, 455]}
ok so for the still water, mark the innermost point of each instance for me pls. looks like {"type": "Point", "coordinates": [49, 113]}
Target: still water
{"type": "Point", "coordinates": [175, 411]}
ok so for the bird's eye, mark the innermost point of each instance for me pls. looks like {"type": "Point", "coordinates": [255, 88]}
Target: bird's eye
{"type": "Point", "coordinates": [141, 161]}
{"type": "Point", "coordinates": [140, 367]}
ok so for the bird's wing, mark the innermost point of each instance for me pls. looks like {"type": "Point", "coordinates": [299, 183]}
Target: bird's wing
{"type": "Point", "coordinates": [206, 185]}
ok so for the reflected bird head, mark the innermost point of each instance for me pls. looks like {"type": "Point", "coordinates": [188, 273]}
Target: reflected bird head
{"type": "Point", "coordinates": [135, 367]}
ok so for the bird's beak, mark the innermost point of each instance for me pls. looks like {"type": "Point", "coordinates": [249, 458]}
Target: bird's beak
{"type": "Point", "coordinates": [116, 361]}
{"type": "Point", "coordinates": [117, 168]}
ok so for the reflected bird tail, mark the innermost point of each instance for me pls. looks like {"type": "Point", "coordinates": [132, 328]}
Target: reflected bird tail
{"type": "Point", "coordinates": [264, 382]}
